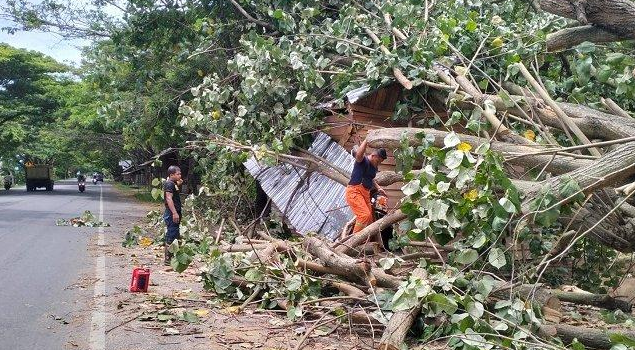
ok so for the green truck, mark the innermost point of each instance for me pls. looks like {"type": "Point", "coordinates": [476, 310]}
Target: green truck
{"type": "Point", "coordinates": [39, 175]}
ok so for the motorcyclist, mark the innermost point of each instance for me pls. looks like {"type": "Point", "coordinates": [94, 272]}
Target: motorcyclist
{"type": "Point", "coordinates": [81, 177]}
{"type": "Point", "coordinates": [7, 181]}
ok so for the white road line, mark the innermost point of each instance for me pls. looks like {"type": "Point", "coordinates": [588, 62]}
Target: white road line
{"type": "Point", "coordinates": [98, 322]}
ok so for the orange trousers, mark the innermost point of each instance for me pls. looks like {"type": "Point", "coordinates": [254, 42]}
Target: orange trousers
{"type": "Point", "coordinates": [358, 198]}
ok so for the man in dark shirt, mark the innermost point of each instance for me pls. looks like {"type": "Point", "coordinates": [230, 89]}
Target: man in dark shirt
{"type": "Point", "coordinates": [361, 183]}
{"type": "Point", "coordinates": [172, 215]}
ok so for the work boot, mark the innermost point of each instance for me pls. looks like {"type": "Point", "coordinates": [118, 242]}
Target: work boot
{"type": "Point", "coordinates": [167, 256]}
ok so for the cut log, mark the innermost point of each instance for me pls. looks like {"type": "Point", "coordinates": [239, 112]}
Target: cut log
{"type": "Point", "coordinates": [349, 290]}
{"type": "Point", "coordinates": [370, 248]}
{"type": "Point", "coordinates": [400, 323]}
{"type": "Point", "coordinates": [358, 271]}
{"type": "Point", "coordinates": [589, 337]}
{"type": "Point", "coordinates": [593, 123]}
{"type": "Point", "coordinates": [265, 255]}
{"type": "Point", "coordinates": [604, 301]}
{"type": "Point", "coordinates": [381, 278]}
{"type": "Point", "coordinates": [536, 294]}
{"type": "Point", "coordinates": [385, 280]}
{"type": "Point", "coordinates": [242, 247]}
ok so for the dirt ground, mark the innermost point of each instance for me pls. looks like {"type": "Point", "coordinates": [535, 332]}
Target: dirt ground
{"type": "Point", "coordinates": [154, 320]}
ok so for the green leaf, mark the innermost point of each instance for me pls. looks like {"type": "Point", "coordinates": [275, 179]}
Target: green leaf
{"type": "Point", "coordinates": [485, 286]}
{"type": "Point", "coordinates": [498, 224]}
{"type": "Point", "coordinates": [476, 340]}
{"type": "Point", "coordinates": [497, 258]}
{"type": "Point", "coordinates": [615, 58]}
{"type": "Point", "coordinates": [301, 95]}
{"type": "Point", "coordinates": [442, 303]}
{"type": "Point", "coordinates": [471, 25]}
{"type": "Point", "coordinates": [576, 345]}
{"type": "Point", "coordinates": [278, 14]}
{"type": "Point", "coordinates": [294, 283]}
{"type": "Point", "coordinates": [156, 193]}
{"type": "Point", "coordinates": [507, 205]}
{"type": "Point", "coordinates": [387, 263]}
{"type": "Point", "coordinates": [585, 47]}
{"type": "Point", "coordinates": [404, 299]}
{"type": "Point", "coordinates": [475, 309]}
{"type": "Point", "coordinates": [156, 182]}
{"type": "Point", "coordinates": [451, 140]}
{"type": "Point", "coordinates": [569, 187]}
{"type": "Point", "coordinates": [254, 275]}
{"type": "Point", "coordinates": [466, 256]}
{"type": "Point", "coordinates": [547, 218]}
{"type": "Point", "coordinates": [453, 159]}
{"type": "Point", "coordinates": [411, 187]}
{"type": "Point", "coordinates": [618, 338]}
{"type": "Point", "coordinates": [189, 317]}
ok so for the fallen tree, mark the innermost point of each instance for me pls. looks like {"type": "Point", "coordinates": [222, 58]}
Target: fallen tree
{"type": "Point", "coordinates": [508, 156]}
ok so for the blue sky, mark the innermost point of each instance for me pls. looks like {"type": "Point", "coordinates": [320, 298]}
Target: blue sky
{"type": "Point", "coordinates": [68, 51]}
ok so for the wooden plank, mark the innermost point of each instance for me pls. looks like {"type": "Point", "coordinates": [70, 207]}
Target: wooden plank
{"type": "Point", "coordinates": [346, 136]}
{"type": "Point", "coordinates": [363, 109]}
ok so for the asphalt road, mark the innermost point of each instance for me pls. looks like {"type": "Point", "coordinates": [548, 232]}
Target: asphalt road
{"type": "Point", "coordinates": [41, 264]}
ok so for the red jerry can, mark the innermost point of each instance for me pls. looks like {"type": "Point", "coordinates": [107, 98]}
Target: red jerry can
{"type": "Point", "coordinates": [140, 280]}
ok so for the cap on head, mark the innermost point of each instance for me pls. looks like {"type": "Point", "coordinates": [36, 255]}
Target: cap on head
{"type": "Point", "coordinates": [381, 153]}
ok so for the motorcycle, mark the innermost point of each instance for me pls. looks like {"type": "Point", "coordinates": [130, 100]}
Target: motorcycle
{"type": "Point", "coordinates": [8, 182]}
{"type": "Point", "coordinates": [82, 186]}
{"type": "Point", "coordinates": [94, 181]}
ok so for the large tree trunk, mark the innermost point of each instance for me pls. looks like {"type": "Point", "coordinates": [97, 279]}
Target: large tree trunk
{"type": "Point", "coordinates": [570, 37]}
{"type": "Point", "coordinates": [391, 138]}
{"type": "Point", "coordinates": [616, 16]}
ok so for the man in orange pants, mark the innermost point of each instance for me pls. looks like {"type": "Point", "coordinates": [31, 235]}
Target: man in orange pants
{"type": "Point", "coordinates": [361, 183]}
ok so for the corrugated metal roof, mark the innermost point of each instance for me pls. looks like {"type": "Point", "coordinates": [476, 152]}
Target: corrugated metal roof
{"type": "Point", "coordinates": [315, 204]}
{"type": "Point", "coordinates": [355, 94]}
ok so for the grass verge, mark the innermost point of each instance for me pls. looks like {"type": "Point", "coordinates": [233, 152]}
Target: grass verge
{"type": "Point", "coordinates": [142, 194]}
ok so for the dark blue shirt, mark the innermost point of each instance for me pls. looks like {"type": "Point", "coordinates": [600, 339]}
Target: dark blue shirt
{"type": "Point", "coordinates": [363, 173]}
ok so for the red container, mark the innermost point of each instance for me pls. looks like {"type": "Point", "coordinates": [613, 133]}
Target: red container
{"type": "Point", "coordinates": [140, 280]}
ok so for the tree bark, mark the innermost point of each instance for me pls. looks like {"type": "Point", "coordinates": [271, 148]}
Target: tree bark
{"type": "Point", "coordinates": [616, 16]}
{"type": "Point", "coordinates": [593, 123]}
{"type": "Point", "coordinates": [345, 266]}
{"type": "Point", "coordinates": [570, 37]}
{"type": "Point", "coordinates": [589, 337]}
{"type": "Point", "coordinates": [391, 138]}
{"type": "Point", "coordinates": [610, 169]}
{"type": "Point", "coordinates": [604, 301]}
{"type": "Point", "coordinates": [537, 294]}
{"type": "Point", "coordinates": [400, 323]}
{"type": "Point", "coordinates": [612, 231]}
